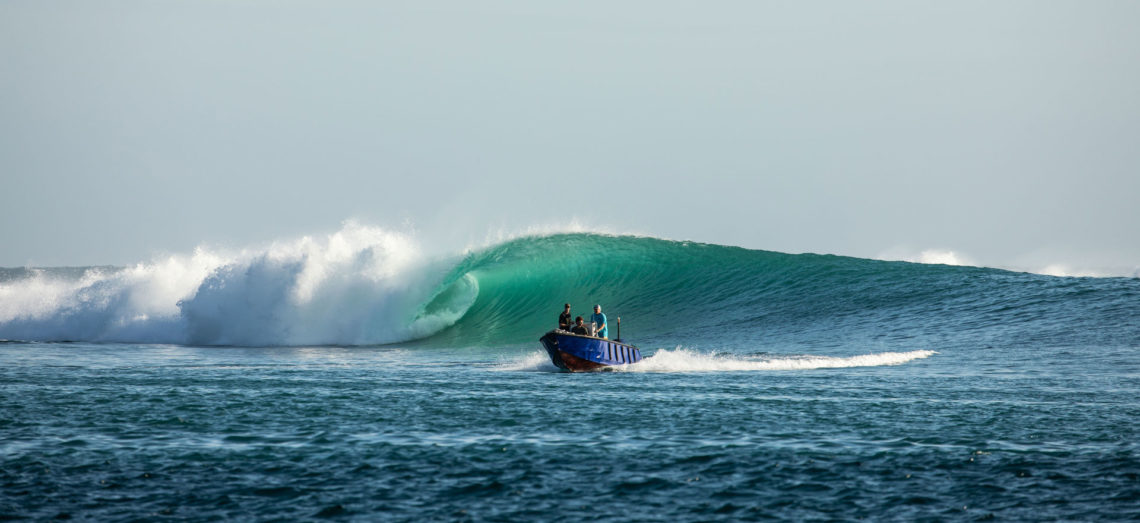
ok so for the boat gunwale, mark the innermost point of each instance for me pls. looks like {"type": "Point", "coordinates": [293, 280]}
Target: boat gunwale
{"type": "Point", "coordinates": [560, 332]}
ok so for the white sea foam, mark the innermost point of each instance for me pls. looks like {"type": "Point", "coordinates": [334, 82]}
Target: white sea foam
{"type": "Point", "coordinates": [951, 257]}
{"type": "Point", "coordinates": [687, 360]}
{"type": "Point", "coordinates": [532, 361]}
{"type": "Point", "coordinates": [574, 225]}
{"type": "Point", "coordinates": [41, 294]}
{"type": "Point", "coordinates": [943, 257]}
{"type": "Point", "coordinates": [928, 256]}
{"type": "Point", "coordinates": [1069, 271]}
{"type": "Point", "coordinates": [360, 285]}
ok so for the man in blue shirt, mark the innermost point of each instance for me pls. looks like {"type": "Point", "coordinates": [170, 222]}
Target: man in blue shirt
{"type": "Point", "coordinates": [599, 319]}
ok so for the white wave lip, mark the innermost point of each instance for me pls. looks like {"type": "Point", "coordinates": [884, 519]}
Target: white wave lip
{"type": "Point", "coordinates": [360, 285]}
{"type": "Point", "coordinates": [927, 257]}
{"type": "Point", "coordinates": [685, 360]}
{"type": "Point", "coordinates": [1064, 270]}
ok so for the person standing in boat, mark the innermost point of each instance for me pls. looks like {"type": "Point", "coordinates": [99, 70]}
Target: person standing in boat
{"type": "Point", "coordinates": [599, 319]}
{"type": "Point", "coordinates": [564, 319]}
{"type": "Point", "coordinates": [579, 327]}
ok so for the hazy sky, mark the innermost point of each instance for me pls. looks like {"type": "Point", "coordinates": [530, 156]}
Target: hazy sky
{"type": "Point", "coordinates": [1008, 132]}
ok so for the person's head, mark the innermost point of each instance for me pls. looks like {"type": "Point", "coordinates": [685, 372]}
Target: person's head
{"type": "Point", "coordinates": [578, 320]}
{"type": "Point", "coordinates": [567, 306]}
{"type": "Point", "coordinates": [597, 308]}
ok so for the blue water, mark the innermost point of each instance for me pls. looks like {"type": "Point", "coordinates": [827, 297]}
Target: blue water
{"type": "Point", "coordinates": [775, 387]}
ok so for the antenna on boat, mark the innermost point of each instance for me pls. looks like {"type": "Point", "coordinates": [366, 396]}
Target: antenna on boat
{"type": "Point", "coordinates": [619, 330]}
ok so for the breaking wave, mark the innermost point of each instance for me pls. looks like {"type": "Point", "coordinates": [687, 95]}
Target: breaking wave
{"type": "Point", "coordinates": [361, 285]}
{"type": "Point", "coordinates": [365, 286]}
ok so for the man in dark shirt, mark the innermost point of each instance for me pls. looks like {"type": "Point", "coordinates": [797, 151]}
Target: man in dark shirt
{"type": "Point", "coordinates": [564, 319]}
{"type": "Point", "coordinates": [579, 327]}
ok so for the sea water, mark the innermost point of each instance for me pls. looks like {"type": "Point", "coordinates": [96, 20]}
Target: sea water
{"type": "Point", "coordinates": [354, 377]}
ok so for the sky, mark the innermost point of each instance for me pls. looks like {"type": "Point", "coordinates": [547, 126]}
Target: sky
{"type": "Point", "coordinates": [999, 133]}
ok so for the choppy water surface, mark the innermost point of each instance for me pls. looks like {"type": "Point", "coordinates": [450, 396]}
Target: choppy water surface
{"type": "Point", "coordinates": [117, 431]}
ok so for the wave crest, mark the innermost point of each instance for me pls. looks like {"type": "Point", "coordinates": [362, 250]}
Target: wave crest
{"type": "Point", "coordinates": [360, 285]}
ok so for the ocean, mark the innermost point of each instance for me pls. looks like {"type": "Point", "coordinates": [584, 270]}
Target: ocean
{"type": "Point", "coordinates": [361, 377]}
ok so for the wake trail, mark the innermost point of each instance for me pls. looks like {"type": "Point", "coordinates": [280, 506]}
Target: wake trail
{"type": "Point", "coordinates": [688, 360]}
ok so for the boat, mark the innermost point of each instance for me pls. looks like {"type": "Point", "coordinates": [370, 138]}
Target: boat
{"type": "Point", "coordinates": [580, 353]}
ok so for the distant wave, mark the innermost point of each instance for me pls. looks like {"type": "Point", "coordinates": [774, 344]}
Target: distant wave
{"type": "Point", "coordinates": [928, 256]}
{"type": "Point", "coordinates": [365, 285]}
{"type": "Point", "coordinates": [951, 257]}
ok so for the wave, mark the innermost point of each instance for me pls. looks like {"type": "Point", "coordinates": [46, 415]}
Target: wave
{"type": "Point", "coordinates": [1061, 270]}
{"type": "Point", "coordinates": [367, 286]}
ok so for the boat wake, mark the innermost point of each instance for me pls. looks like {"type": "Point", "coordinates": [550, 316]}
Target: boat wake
{"type": "Point", "coordinates": [530, 362]}
{"type": "Point", "coordinates": [688, 360]}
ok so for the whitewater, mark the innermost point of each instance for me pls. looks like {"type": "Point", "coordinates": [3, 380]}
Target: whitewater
{"type": "Point", "coordinates": [359, 285]}
{"type": "Point", "coordinates": [359, 375]}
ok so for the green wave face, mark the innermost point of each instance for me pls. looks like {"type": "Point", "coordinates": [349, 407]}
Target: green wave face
{"type": "Point", "coordinates": [659, 288]}
{"type": "Point", "coordinates": [683, 293]}
{"type": "Point", "coordinates": [523, 284]}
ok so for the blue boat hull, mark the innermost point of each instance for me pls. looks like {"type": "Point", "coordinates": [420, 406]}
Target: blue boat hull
{"type": "Point", "coordinates": [577, 353]}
